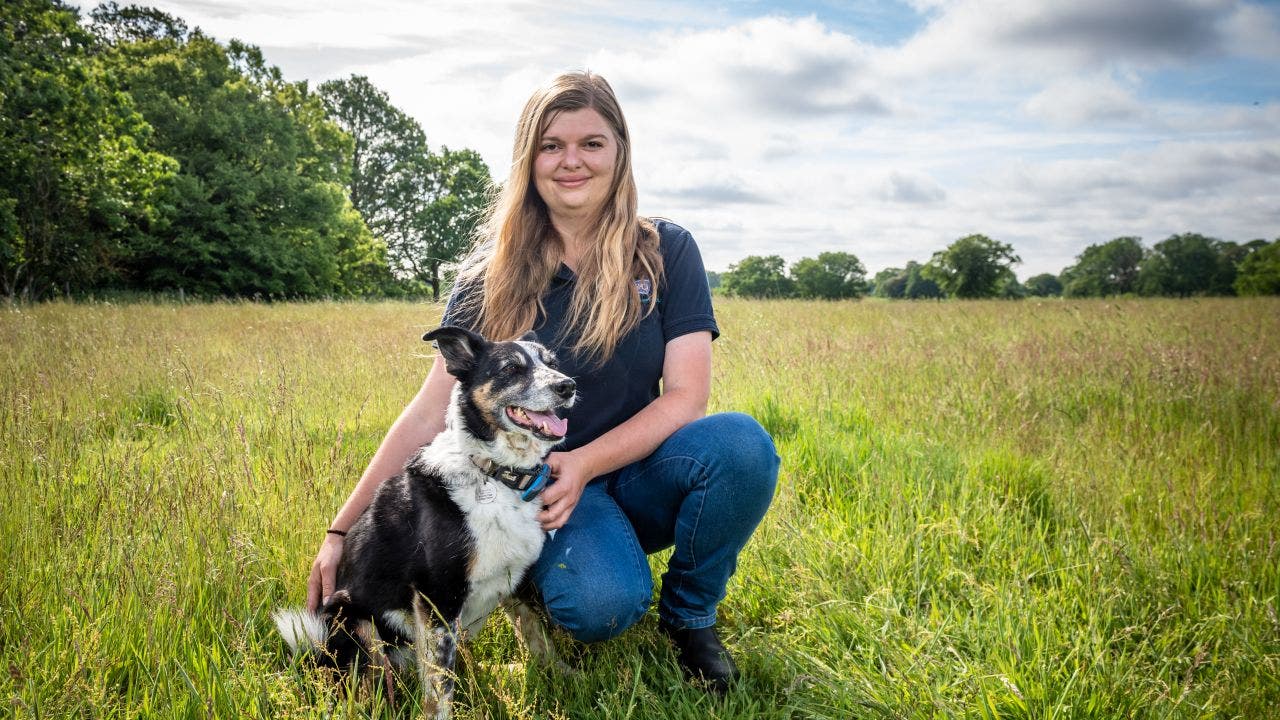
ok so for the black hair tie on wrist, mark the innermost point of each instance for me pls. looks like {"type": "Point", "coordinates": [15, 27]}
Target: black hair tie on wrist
{"type": "Point", "coordinates": [339, 533]}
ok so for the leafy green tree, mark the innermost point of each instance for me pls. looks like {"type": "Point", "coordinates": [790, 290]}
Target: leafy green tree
{"type": "Point", "coordinates": [758, 276]}
{"type": "Point", "coordinates": [832, 276]}
{"type": "Point", "coordinates": [454, 193]}
{"type": "Point", "coordinates": [972, 267]}
{"type": "Point", "coordinates": [387, 160]}
{"type": "Point", "coordinates": [1010, 289]}
{"type": "Point", "coordinates": [919, 287]}
{"type": "Point", "coordinates": [1182, 265]}
{"type": "Point", "coordinates": [1043, 285]}
{"type": "Point", "coordinates": [423, 205]}
{"type": "Point", "coordinates": [258, 207]}
{"type": "Point", "coordinates": [1107, 269]}
{"type": "Point", "coordinates": [1259, 272]}
{"type": "Point", "coordinates": [77, 183]}
{"type": "Point", "coordinates": [889, 283]}
{"type": "Point", "coordinates": [905, 283]}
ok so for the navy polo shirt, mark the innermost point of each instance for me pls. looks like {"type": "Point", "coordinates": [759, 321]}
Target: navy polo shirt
{"type": "Point", "coordinates": [610, 393]}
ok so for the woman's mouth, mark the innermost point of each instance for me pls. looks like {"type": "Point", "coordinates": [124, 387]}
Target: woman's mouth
{"type": "Point", "coordinates": [572, 182]}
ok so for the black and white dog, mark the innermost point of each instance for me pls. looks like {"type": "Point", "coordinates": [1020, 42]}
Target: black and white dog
{"type": "Point", "coordinates": [446, 541]}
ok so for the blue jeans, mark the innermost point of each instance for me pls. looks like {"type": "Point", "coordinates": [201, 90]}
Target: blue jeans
{"type": "Point", "coordinates": [703, 490]}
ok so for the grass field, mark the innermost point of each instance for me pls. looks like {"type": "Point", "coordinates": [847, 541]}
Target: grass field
{"type": "Point", "coordinates": [1039, 509]}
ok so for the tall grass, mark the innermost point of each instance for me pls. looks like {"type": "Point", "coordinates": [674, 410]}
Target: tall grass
{"type": "Point", "coordinates": [1036, 509]}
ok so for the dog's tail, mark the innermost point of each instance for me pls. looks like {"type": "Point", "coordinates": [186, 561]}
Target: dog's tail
{"type": "Point", "coordinates": [329, 638]}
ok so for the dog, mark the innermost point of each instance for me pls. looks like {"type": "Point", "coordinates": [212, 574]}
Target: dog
{"type": "Point", "coordinates": [445, 542]}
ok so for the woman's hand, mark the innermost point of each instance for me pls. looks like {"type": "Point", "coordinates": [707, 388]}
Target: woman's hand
{"type": "Point", "coordinates": [571, 475]}
{"type": "Point", "coordinates": [323, 571]}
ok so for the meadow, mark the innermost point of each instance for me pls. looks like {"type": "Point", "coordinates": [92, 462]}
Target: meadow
{"type": "Point", "coordinates": [1042, 509]}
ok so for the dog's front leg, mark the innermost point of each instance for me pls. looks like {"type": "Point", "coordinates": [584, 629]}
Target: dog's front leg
{"type": "Point", "coordinates": [435, 648]}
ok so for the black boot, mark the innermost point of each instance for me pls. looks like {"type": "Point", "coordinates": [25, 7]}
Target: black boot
{"type": "Point", "coordinates": [702, 656]}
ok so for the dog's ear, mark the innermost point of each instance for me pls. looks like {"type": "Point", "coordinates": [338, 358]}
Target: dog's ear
{"type": "Point", "coordinates": [459, 347]}
{"type": "Point", "coordinates": [530, 336]}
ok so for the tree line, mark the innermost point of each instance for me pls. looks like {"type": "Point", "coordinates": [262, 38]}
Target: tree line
{"type": "Point", "coordinates": [975, 266]}
{"type": "Point", "coordinates": [142, 155]}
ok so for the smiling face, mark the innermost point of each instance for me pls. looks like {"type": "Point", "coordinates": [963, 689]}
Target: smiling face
{"type": "Point", "coordinates": [574, 167]}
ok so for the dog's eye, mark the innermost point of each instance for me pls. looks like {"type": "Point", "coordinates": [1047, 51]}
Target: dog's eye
{"type": "Point", "coordinates": [512, 369]}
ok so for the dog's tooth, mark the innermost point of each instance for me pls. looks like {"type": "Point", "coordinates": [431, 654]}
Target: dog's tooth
{"type": "Point", "coordinates": [543, 428]}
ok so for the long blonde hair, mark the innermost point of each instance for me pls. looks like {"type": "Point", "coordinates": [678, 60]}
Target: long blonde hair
{"type": "Point", "coordinates": [518, 250]}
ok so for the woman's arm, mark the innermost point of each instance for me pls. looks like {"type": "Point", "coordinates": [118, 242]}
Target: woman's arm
{"type": "Point", "coordinates": [686, 386]}
{"type": "Point", "coordinates": [421, 421]}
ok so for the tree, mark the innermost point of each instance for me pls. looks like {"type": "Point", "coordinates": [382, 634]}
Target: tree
{"type": "Point", "coordinates": [77, 182]}
{"type": "Point", "coordinates": [423, 205]}
{"type": "Point", "coordinates": [387, 160]}
{"type": "Point", "coordinates": [972, 267]}
{"type": "Point", "coordinates": [455, 192]}
{"type": "Point", "coordinates": [1107, 269]}
{"type": "Point", "coordinates": [832, 276]}
{"type": "Point", "coordinates": [905, 283]}
{"type": "Point", "coordinates": [258, 207]}
{"type": "Point", "coordinates": [758, 277]}
{"type": "Point", "coordinates": [917, 286]}
{"type": "Point", "coordinates": [1043, 285]}
{"type": "Point", "coordinates": [1181, 265]}
{"type": "Point", "coordinates": [889, 283]}
{"type": "Point", "coordinates": [1259, 272]}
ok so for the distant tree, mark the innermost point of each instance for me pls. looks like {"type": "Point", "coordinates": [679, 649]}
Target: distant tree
{"type": "Point", "coordinates": [1043, 285]}
{"type": "Point", "coordinates": [1259, 272]}
{"type": "Point", "coordinates": [1009, 288]}
{"type": "Point", "coordinates": [972, 267]}
{"type": "Point", "coordinates": [713, 279]}
{"type": "Point", "coordinates": [1230, 257]}
{"type": "Point", "coordinates": [832, 276]}
{"type": "Point", "coordinates": [77, 181]}
{"type": "Point", "coordinates": [758, 276]}
{"type": "Point", "coordinates": [904, 283]}
{"type": "Point", "coordinates": [889, 283]}
{"type": "Point", "coordinates": [1107, 269]}
{"type": "Point", "coordinates": [1182, 265]}
{"type": "Point", "coordinates": [917, 286]}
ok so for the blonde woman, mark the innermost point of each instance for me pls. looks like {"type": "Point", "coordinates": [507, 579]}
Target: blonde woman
{"type": "Point", "coordinates": [624, 303]}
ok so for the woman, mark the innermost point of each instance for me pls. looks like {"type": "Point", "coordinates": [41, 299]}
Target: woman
{"type": "Point", "coordinates": [623, 301]}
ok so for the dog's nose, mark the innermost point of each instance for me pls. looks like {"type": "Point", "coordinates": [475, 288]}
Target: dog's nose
{"type": "Point", "coordinates": [565, 388]}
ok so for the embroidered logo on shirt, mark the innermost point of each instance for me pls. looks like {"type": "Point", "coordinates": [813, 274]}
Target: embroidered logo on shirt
{"type": "Point", "coordinates": [645, 288]}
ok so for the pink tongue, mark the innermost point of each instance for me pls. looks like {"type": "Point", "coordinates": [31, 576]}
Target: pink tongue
{"type": "Point", "coordinates": [555, 426]}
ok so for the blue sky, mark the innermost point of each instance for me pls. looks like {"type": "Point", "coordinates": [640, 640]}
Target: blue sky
{"type": "Point", "coordinates": [886, 129]}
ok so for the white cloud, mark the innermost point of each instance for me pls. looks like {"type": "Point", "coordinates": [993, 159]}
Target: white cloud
{"type": "Point", "coordinates": [1085, 101]}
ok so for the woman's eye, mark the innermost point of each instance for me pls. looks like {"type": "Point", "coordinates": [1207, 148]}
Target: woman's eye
{"type": "Point", "coordinates": [548, 147]}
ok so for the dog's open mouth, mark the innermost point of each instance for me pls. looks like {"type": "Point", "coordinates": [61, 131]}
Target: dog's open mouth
{"type": "Point", "coordinates": [544, 424]}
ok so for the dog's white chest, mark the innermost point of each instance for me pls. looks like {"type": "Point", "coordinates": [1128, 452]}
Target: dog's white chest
{"type": "Point", "coordinates": [508, 539]}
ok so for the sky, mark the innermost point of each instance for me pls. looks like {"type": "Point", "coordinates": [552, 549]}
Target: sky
{"type": "Point", "coordinates": [885, 128]}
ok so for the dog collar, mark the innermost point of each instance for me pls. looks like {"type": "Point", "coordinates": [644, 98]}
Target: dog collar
{"type": "Point", "coordinates": [528, 482]}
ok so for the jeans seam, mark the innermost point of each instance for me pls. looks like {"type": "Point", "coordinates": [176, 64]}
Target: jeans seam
{"type": "Point", "coordinates": [697, 520]}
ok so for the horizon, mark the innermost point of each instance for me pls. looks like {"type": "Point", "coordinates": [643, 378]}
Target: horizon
{"type": "Point", "coordinates": [886, 129]}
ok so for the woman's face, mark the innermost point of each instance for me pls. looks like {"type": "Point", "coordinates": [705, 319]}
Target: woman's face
{"type": "Point", "coordinates": [573, 171]}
